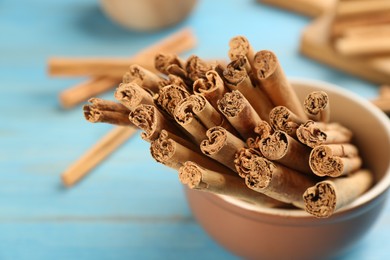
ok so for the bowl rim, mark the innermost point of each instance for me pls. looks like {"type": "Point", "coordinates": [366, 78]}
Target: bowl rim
{"type": "Point", "coordinates": [372, 194]}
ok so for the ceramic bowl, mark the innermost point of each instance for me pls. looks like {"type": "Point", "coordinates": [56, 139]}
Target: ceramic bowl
{"type": "Point", "coordinates": [264, 233]}
{"type": "Point", "coordinates": [147, 15]}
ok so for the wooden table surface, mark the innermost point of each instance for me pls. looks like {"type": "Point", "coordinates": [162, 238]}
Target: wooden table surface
{"type": "Point", "coordinates": [129, 207]}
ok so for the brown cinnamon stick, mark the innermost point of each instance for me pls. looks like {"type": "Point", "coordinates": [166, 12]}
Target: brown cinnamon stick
{"type": "Point", "coordinates": [163, 61]}
{"type": "Point", "coordinates": [146, 78]}
{"type": "Point", "coordinates": [97, 153]}
{"type": "Point", "coordinates": [284, 149]}
{"type": "Point", "coordinates": [277, 181]}
{"type": "Point", "coordinates": [316, 106]}
{"type": "Point", "coordinates": [170, 96]}
{"type": "Point", "coordinates": [208, 115]}
{"type": "Point", "coordinates": [275, 83]}
{"type": "Point", "coordinates": [221, 145]}
{"type": "Point", "coordinates": [326, 197]}
{"type": "Point", "coordinates": [105, 111]}
{"type": "Point", "coordinates": [178, 42]}
{"type": "Point", "coordinates": [313, 134]}
{"type": "Point", "coordinates": [334, 160]}
{"type": "Point", "coordinates": [243, 160]}
{"type": "Point", "coordinates": [196, 67]}
{"type": "Point", "coordinates": [281, 118]}
{"type": "Point", "coordinates": [241, 115]}
{"type": "Point", "coordinates": [185, 117]}
{"type": "Point", "coordinates": [152, 122]}
{"type": "Point", "coordinates": [202, 179]}
{"type": "Point", "coordinates": [211, 86]}
{"type": "Point", "coordinates": [237, 78]}
{"type": "Point", "coordinates": [78, 93]}
{"type": "Point", "coordinates": [132, 95]}
{"type": "Point", "coordinates": [169, 152]}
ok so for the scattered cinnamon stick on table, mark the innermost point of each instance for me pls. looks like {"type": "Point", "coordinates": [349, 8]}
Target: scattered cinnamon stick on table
{"type": "Point", "coordinates": [102, 149]}
{"type": "Point", "coordinates": [108, 73]}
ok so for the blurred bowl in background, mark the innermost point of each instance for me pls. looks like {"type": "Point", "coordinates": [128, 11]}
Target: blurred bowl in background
{"type": "Point", "coordinates": [265, 233]}
{"type": "Point", "coordinates": [147, 15]}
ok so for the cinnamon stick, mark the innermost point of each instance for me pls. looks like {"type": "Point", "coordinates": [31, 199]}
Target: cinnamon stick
{"type": "Point", "coordinates": [169, 152]}
{"type": "Point", "coordinates": [283, 119]}
{"type": "Point", "coordinates": [196, 67]}
{"type": "Point", "coordinates": [243, 160]}
{"type": "Point", "coordinates": [78, 93]}
{"type": "Point", "coordinates": [178, 42]}
{"type": "Point", "coordinates": [97, 153]}
{"type": "Point", "coordinates": [185, 117]}
{"type": "Point", "coordinates": [316, 106]}
{"type": "Point", "coordinates": [105, 111]}
{"type": "Point", "coordinates": [163, 61]}
{"type": "Point", "coordinates": [237, 78]}
{"type": "Point", "coordinates": [363, 45]}
{"type": "Point", "coordinates": [284, 149]}
{"type": "Point", "coordinates": [326, 197]}
{"type": "Point", "coordinates": [334, 160]}
{"type": "Point", "coordinates": [202, 179]}
{"type": "Point", "coordinates": [208, 115]}
{"type": "Point", "coordinates": [221, 145]}
{"type": "Point", "coordinates": [275, 83]}
{"type": "Point", "coordinates": [211, 86]}
{"type": "Point", "coordinates": [152, 122]}
{"type": "Point", "coordinates": [241, 115]}
{"type": "Point", "coordinates": [146, 78]}
{"type": "Point", "coordinates": [313, 134]}
{"type": "Point", "coordinates": [277, 181]}
{"type": "Point", "coordinates": [170, 96]}
{"type": "Point", "coordinates": [132, 95]}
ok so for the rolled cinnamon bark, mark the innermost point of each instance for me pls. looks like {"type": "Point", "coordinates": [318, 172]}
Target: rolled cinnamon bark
{"type": "Point", "coordinates": [334, 160]}
{"type": "Point", "coordinates": [178, 81]}
{"type": "Point", "coordinates": [241, 115]}
{"type": "Point", "coordinates": [326, 197]}
{"type": "Point", "coordinates": [211, 86]}
{"type": "Point", "coordinates": [222, 146]}
{"type": "Point", "coordinates": [152, 121]}
{"type": "Point", "coordinates": [202, 179]}
{"type": "Point", "coordinates": [169, 96]}
{"type": "Point", "coordinates": [275, 83]}
{"type": "Point", "coordinates": [282, 148]}
{"type": "Point", "coordinates": [184, 116]}
{"type": "Point", "coordinates": [132, 95]}
{"type": "Point", "coordinates": [263, 130]}
{"type": "Point", "coordinates": [148, 80]}
{"type": "Point", "coordinates": [243, 160]}
{"type": "Point", "coordinates": [316, 106]}
{"type": "Point", "coordinates": [162, 61]}
{"type": "Point", "coordinates": [281, 118]}
{"type": "Point", "coordinates": [237, 78]}
{"type": "Point", "coordinates": [127, 78]}
{"type": "Point", "coordinates": [239, 46]}
{"type": "Point", "coordinates": [313, 134]}
{"type": "Point", "coordinates": [207, 114]}
{"type": "Point", "coordinates": [173, 154]}
{"type": "Point", "coordinates": [277, 181]}
{"type": "Point", "coordinates": [105, 111]}
{"type": "Point", "coordinates": [196, 67]}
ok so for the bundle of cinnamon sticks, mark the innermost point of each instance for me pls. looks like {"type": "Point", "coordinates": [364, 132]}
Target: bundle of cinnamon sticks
{"type": "Point", "coordinates": [361, 27]}
{"type": "Point", "coordinates": [239, 129]}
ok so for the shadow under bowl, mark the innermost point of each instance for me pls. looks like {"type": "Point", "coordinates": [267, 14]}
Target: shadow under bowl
{"type": "Point", "coordinates": [253, 232]}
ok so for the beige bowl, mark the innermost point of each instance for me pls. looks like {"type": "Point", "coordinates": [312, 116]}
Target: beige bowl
{"type": "Point", "coordinates": [147, 15]}
{"type": "Point", "coordinates": [264, 233]}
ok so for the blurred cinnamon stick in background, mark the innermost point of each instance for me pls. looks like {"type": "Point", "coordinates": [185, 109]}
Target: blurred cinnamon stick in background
{"type": "Point", "coordinates": [107, 73]}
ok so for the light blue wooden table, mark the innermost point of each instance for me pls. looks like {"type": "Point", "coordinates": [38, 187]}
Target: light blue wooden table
{"type": "Point", "coordinates": [129, 207]}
